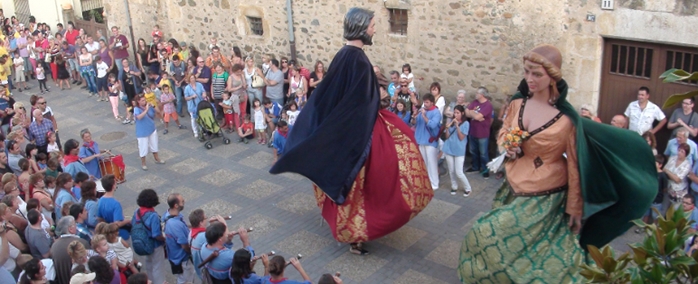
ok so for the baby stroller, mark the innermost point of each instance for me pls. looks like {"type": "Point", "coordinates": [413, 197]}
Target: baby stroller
{"type": "Point", "coordinates": [208, 125]}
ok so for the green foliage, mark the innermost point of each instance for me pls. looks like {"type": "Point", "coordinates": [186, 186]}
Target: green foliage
{"type": "Point", "coordinates": [658, 259]}
{"type": "Point", "coordinates": [675, 75]}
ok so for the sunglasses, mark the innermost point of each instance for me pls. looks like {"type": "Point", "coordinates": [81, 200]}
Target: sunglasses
{"type": "Point", "coordinates": [42, 103]}
{"type": "Point", "coordinates": [284, 61]}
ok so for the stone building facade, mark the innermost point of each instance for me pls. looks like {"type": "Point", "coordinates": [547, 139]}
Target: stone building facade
{"type": "Point", "coordinates": [463, 44]}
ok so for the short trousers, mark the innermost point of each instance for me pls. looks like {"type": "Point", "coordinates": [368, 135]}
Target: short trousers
{"type": "Point", "coordinates": [73, 64]}
{"type": "Point", "coordinates": [102, 84]}
{"type": "Point", "coordinates": [148, 143]}
{"type": "Point", "coordinates": [167, 116]}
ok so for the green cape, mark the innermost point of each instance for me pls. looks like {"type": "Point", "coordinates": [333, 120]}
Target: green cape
{"type": "Point", "coordinates": [617, 172]}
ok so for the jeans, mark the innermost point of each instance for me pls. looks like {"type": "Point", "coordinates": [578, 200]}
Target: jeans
{"type": "Point", "coordinates": [119, 64]}
{"type": "Point", "coordinates": [253, 93]}
{"type": "Point", "coordinates": [88, 73]}
{"type": "Point", "coordinates": [179, 93]}
{"type": "Point", "coordinates": [478, 149]}
{"type": "Point", "coordinates": [455, 170]}
{"type": "Point", "coordinates": [430, 155]}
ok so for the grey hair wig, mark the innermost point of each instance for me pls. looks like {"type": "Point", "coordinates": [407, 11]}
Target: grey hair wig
{"type": "Point", "coordinates": [356, 22]}
{"type": "Point", "coordinates": [63, 225]}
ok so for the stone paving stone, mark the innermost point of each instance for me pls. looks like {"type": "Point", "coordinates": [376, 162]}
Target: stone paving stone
{"type": "Point", "coordinates": [219, 207]}
{"type": "Point", "coordinates": [188, 194]}
{"type": "Point", "coordinates": [472, 221]}
{"type": "Point", "coordinates": [259, 160]}
{"type": "Point", "coordinates": [127, 148]}
{"type": "Point", "coordinates": [221, 177]}
{"type": "Point", "coordinates": [446, 253]}
{"type": "Point", "coordinates": [438, 211]}
{"type": "Point", "coordinates": [355, 267]}
{"type": "Point", "coordinates": [187, 166]}
{"type": "Point", "coordinates": [403, 238]}
{"type": "Point", "coordinates": [261, 224]}
{"type": "Point", "coordinates": [166, 155]}
{"type": "Point", "coordinates": [299, 203]}
{"type": "Point", "coordinates": [258, 189]}
{"type": "Point", "coordinates": [228, 151]}
{"type": "Point", "coordinates": [293, 176]}
{"type": "Point", "coordinates": [414, 277]}
{"type": "Point", "coordinates": [143, 182]}
{"type": "Point", "coordinates": [303, 242]}
{"type": "Point", "coordinates": [68, 123]}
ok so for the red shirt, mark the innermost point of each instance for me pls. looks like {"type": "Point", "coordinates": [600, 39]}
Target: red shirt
{"type": "Point", "coordinates": [247, 126]}
{"type": "Point", "coordinates": [70, 37]}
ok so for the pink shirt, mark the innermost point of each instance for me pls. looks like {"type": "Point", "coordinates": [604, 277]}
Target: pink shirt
{"type": "Point", "coordinates": [167, 107]}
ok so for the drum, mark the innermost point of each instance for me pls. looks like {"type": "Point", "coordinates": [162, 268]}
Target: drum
{"type": "Point", "coordinates": [113, 165]}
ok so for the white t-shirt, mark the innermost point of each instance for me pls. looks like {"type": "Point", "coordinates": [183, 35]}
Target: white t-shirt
{"type": "Point", "coordinates": [92, 47]}
{"type": "Point", "coordinates": [641, 120]}
{"type": "Point", "coordinates": [409, 76]}
{"type": "Point", "coordinates": [292, 115]}
{"type": "Point", "coordinates": [102, 69]}
{"type": "Point", "coordinates": [40, 74]}
{"type": "Point", "coordinates": [19, 64]}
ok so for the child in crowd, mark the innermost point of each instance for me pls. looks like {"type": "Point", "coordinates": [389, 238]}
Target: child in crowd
{"type": "Point", "coordinates": [402, 112]}
{"type": "Point", "coordinates": [52, 167]}
{"type": "Point", "coordinates": [41, 77]}
{"type": "Point", "coordinates": [150, 95]}
{"type": "Point", "coordinates": [122, 249]}
{"type": "Point", "coordinates": [20, 77]}
{"type": "Point", "coordinates": [78, 254]}
{"type": "Point", "coordinates": [100, 247]}
{"type": "Point", "coordinates": [32, 151]}
{"type": "Point", "coordinates": [292, 113]}
{"type": "Point", "coordinates": [52, 146]}
{"type": "Point", "coordinates": [167, 98]}
{"type": "Point", "coordinates": [246, 130]}
{"type": "Point", "coordinates": [50, 183]}
{"type": "Point", "coordinates": [280, 135]}
{"type": "Point", "coordinates": [80, 177]}
{"type": "Point", "coordinates": [165, 80]}
{"type": "Point", "coordinates": [260, 124]}
{"type": "Point", "coordinates": [227, 105]}
{"type": "Point", "coordinates": [41, 160]}
{"type": "Point", "coordinates": [407, 74]}
{"type": "Point", "coordinates": [102, 80]}
{"type": "Point", "coordinates": [114, 87]}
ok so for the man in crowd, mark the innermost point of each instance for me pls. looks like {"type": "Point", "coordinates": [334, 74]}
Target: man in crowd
{"type": "Point", "coordinates": [177, 240]}
{"type": "Point", "coordinates": [218, 238]}
{"type": "Point", "coordinates": [274, 79]}
{"type": "Point", "coordinates": [480, 111]}
{"type": "Point", "coordinates": [642, 113]}
{"type": "Point", "coordinates": [77, 210]}
{"type": "Point", "coordinates": [118, 44]}
{"type": "Point", "coordinates": [216, 57]}
{"type": "Point", "coordinates": [178, 69]}
{"type": "Point", "coordinates": [66, 230]}
{"type": "Point", "coordinates": [38, 240]}
{"type": "Point", "coordinates": [14, 157]}
{"type": "Point", "coordinates": [394, 83]}
{"type": "Point", "coordinates": [154, 262]}
{"type": "Point", "coordinates": [109, 209]}
{"type": "Point", "coordinates": [672, 148]}
{"type": "Point", "coordinates": [92, 46]}
{"type": "Point", "coordinates": [202, 73]}
{"type": "Point", "coordinates": [279, 139]}
{"type": "Point", "coordinates": [619, 121]}
{"type": "Point", "coordinates": [24, 52]}
{"type": "Point", "coordinates": [38, 129]}
{"type": "Point", "coordinates": [684, 117]}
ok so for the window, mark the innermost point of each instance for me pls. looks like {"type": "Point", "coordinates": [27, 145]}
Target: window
{"type": "Point", "coordinates": [256, 25]}
{"type": "Point", "coordinates": [631, 61]}
{"type": "Point", "coordinates": [682, 60]}
{"type": "Point", "coordinates": [398, 21]}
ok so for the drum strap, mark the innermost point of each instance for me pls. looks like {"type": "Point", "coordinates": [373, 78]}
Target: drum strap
{"type": "Point", "coordinates": [90, 149]}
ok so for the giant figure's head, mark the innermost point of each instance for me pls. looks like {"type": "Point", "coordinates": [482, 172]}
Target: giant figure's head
{"type": "Point", "coordinates": [356, 25]}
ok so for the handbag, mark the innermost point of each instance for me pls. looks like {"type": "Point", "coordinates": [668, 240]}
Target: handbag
{"type": "Point", "coordinates": [122, 96]}
{"type": "Point", "coordinates": [257, 81]}
{"type": "Point", "coordinates": [47, 57]}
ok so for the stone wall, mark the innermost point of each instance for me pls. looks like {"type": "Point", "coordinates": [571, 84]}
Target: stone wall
{"type": "Point", "coordinates": [462, 44]}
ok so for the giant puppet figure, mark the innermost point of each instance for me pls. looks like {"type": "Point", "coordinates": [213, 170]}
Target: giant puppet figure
{"type": "Point", "coordinates": [369, 177]}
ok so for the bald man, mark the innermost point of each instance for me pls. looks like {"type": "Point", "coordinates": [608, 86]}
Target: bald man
{"type": "Point", "coordinates": [619, 121]}
{"type": "Point", "coordinates": [38, 130]}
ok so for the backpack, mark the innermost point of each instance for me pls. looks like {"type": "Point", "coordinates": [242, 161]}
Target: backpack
{"type": "Point", "coordinates": [143, 244]}
{"type": "Point", "coordinates": [305, 73]}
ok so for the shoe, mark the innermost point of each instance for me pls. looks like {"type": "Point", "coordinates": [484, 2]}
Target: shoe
{"type": "Point", "coordinates": [486, 175]}
{"type": "Point", "coordinates": [181, 127]}
{"type": "Point", "coordinates": [42, 92]}
{"type": "Point", "coordinates": [99, 100]}
{"type": "Point", "coordinates": [165, 132]}
{"type": "Point", "coordinates": [126, 121]}
{"type": "Point", "coordinates": [144, 168]}
{"type": "Point", "coordinates": [27, 88]}
{"type": "Point", "coordinates": [160, 162]}
{"type": "Point", "coordinates": [246, 141]}
{"type": "Point", "coordinates": [270, 145]}
{"type": "Point", "coordinates": [472, 170]}
{"type": "Point", "coordinates": [638, 231]}
{"type": "Point", "coordinates": [467, 193]}
{"type": "Point", "coordinates": [20, 90]}
{"type": "Point", "coordinates": [181, 115]}
{"type": "Point", "coordinates": [48, 90]}
{"type": "Point", "coordinates": [196, 135]}
{"type": "Point", "coordinates": [453, 192]}
{"type": "Point", "coordinates": [241, 140]}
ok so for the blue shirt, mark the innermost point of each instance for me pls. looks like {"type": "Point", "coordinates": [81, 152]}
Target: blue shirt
{"type": "Point", "coordinates": [391, 89]}
{"type": "Point", "coordinates": [62, 197]}
{"type": "Point", "coordinates": [152, 221]}
{"type": "Point", "coordinates": [279, 142]}
{"type": "Point", "coordinates": [93, 165]}
{"type": "Point", "coordinates": [176, 234]}
{"type": "Point", "coordinates": [453, 146]}
{"type": "Point", "coordinates": [253, 278]}
{"type": "Point", "coordinates": [84, 232]}
{"type": "Point", "coordinates": [672, 149]}
{"type": "Point", "coordinates": [406, 116]}
{"type": "Point", "coordinates": [109, 209]}
{"type": "Point", "coordinates": [91, 208]}
{"type": "Point", "coordinates": [144, 126]}
{"type": "Point", "coordinates": [196, 244]}
{"type": "Point", "coordinates": [267, 280]}
{"type": "Point", "coordinates": [197, 90]}
{"type": "Point", "coordinates": [424, 131]}
{"type": "Point", "coordinates": [219, 267]}
{"type": "Point", "coordinates": [37, 132]}
{"type": "Point", "coordinates": [275, 109]}
{"type": "Point", "coordinates": [77, 193]}
{"type": "Point", "coordinates": [693, 217]}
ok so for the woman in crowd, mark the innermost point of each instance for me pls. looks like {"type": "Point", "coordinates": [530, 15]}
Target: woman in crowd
{"type": "Point", "coordinates": [90, 154]}
{"type": "Point", "coordinates": [651, 140]}
{"type": "Point", "coordinates": [20, 117]}
{"type": "Point", "coordinates": [241, 272]}
{"type": "Point", "coordinates": [587, 111]}
{"type": "Point", "coordinates": [402, 112]}
{"type": "Point", "coordinates": [63, 194]}
{"type": "Point", "coordinates": [107, 56]}
{"type": "Point", "coordinates": [454, 149]}
{"type": "Point", "coordinates": [88, 72]}
{"type": "Point", "coordinates": [277, 265]}
{"type": "Point", "coordinates": [34, 272]}
{"type": "Point", "coordinates": [236, 57]}
{"type": "Point", "coordinates": [194, 93]}
{"type": "Point", "coordinates": [40, 193]}
{"type": "Point", "coordinates": [316, 76]}
{"type": "Point", "coordinates": [131, 85]}
{"type": "Point", "coordinates": [219, 82]}
{"type": "Point", "coordinates": [250, 71]}
{"type": "Point", "coordinates": [142, 59]}
{"type": "Point", "coordinates": [677, 169]}
{"type": "Point", "coordinates": [13, 234]}
{"type": "Point", "coordinates": [105, 274]}
{"type": "Point", "coordinates": [238, 94]}
{"type": "Point", "coordinates": [284, 68]}
{"type": "Point", "coordinates": [88, 192]}
{"type": "Point", "coordinates": [298, 85]}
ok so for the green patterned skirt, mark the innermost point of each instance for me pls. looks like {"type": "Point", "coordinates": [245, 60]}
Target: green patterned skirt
{"type": "Point", "coordinates": [522, 240]}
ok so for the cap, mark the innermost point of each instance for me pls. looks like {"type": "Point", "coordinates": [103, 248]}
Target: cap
{"type": "Point", "coordinates": [182, 43]}
{"type": "Point", "coordinates": [80, 278]}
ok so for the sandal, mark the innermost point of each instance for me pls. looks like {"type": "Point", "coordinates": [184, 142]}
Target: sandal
{"type": "Point", "coordinates": [357, 249]}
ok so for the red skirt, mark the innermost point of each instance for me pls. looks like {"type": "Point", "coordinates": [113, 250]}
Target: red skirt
{"type": "Point", "coordinates": [391, 188]}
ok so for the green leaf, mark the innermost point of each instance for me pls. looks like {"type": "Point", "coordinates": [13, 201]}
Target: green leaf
{"type": "Point", "coordinates": [677, 98]}
{"type": "Point", "coordinates": [675, 75]}
{"type": "Point", "coordinates": [682, 261]}
{"type": "Point", "coordinates": [609, 265]}
{"type": "Point", "coordinates": [640, 255]}
{"type": "Point", "coordinates": [661, 242]}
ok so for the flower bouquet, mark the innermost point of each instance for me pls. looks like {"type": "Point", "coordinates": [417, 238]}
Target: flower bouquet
{"type": "Point", "coordinates": [513, 139]}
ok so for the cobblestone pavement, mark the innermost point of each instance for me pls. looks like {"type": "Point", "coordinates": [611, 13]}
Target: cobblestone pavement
{"type": "Point", "coordinates": [234, 180]}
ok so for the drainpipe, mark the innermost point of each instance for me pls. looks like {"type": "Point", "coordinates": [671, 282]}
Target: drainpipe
{"type": "Point", "coordinates": [133, 43]}
{"type": "Point", "coordinates": [291, 38]}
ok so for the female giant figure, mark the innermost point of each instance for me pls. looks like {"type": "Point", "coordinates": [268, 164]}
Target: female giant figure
{"type": "Point", "coordinates": [569, 169]}
{"type": "Point", "coordinates": [368, 174]}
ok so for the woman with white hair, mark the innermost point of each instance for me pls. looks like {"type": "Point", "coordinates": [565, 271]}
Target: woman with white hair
{"type": "Point", "coordinates": [588, 111]}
